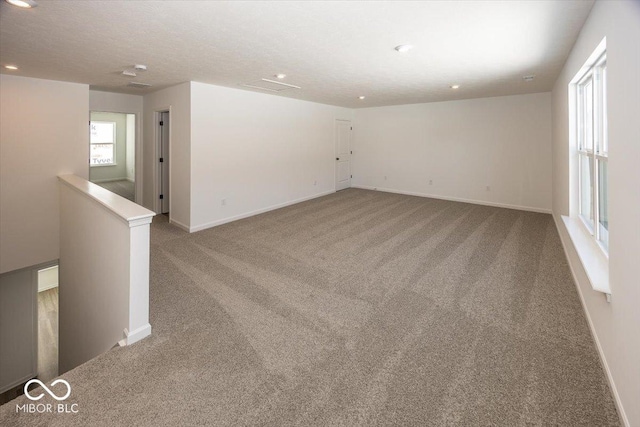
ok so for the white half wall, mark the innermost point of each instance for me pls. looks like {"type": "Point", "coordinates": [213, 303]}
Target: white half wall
{"type": "Point", "coordinates": [461, 147]}
{"type": "Point", "coordinates": [614, 325]}
{"type": "Point", "coordinates": [177, 100]}
{"type": "Point", "coordinates": [104, 271]}
{"type": "Point", "coordinates": [251, 152]}
{"type": "Point", "coordinates": [44, 132]}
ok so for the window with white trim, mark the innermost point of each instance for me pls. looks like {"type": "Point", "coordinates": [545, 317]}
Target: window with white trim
{"type": "Point", "coordinates": [593, 150]}
{"type": "Point", "coordinates": [102, 140]}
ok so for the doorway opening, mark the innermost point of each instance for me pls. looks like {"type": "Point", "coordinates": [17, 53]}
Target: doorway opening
{"type": "Point", "coordinates": [28, 328]}
{"type": "Point", "coordinates": [163, 133]}
{"type": "Point", "coordinates": [48, 298]}
{"type": "Point", "coordinates": [112, 152]}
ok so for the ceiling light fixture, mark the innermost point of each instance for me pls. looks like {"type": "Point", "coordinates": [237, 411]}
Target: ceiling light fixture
{"type": "Point", "coordinates": [25, 4]}
{"type": "Point", "coordinates": [454, 86]}
{"type": "Point", "coordinates": [128, 73]}
{"type": "Point", "coordinates": [280, 76]}
{"type": "Point", "coordinates": [140, 67]}
{"type": "Point", "coordinates": [361, 97]}
{"type": "Point", "coordinates": [403, 48]}
{"type": "Point", "coordinates": [11, 67]}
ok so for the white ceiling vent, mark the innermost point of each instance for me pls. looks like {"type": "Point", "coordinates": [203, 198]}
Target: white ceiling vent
{"type": "Point", "coordinates": [139, 85]}
{"type": "Point", "coordinates": [270, 85]}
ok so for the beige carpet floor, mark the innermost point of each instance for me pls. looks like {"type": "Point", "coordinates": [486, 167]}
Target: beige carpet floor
{"type": "Point", "coordinates": [356, 309]}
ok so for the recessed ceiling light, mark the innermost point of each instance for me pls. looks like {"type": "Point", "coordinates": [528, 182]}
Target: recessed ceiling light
{"type": "Point", "coordinates": [528, 78]}
{"type": "Point", "coordinates": [454, 86]}
{"type": "Point", "coordinates": [361, 97]}
{"type": "Point", "coordinates": [403, 48]}
{"type": "Point", "coordinates": [25, 4]}
{"type": "Point", "coordinates": [280, 76]}
{"type": "Point", "coordinates": [10, 67]}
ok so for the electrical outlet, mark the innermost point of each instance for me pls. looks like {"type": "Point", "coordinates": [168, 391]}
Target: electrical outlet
{"type": "Point", "coordinates": [223, 202]}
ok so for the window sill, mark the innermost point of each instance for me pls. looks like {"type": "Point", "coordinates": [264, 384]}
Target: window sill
{"type": "Point", "coordinates": [593, 259]}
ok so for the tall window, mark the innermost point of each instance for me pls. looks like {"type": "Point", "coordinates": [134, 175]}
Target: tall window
{"type": "Point", "coordinates": [102, 143]}
{"type": "Point", "coordinates": [593, 150]}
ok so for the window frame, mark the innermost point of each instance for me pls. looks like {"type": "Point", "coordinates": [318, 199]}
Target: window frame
{"type": "Point", "coordinates": [595, 150]}
{"type": "Point", "coordinates": [113, 144]}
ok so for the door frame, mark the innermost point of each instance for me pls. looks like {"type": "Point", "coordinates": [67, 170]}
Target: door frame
{"type": "Point", "coordinates": [138, 187]}
{"type": "Point", "coordinates": [157, 206]}
{"type": "Point", "coordinates": [335, 152]}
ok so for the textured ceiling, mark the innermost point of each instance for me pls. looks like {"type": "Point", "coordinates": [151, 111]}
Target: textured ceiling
{"type": "Point", "coordinates": [335, 51]}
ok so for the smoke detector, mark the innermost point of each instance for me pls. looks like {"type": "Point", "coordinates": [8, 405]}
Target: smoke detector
{"type": "Point", "coordinates": [528, 78]}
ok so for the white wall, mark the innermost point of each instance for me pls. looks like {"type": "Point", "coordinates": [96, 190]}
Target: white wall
{"type": "Point", "coordinates": [177, 100]}
{"type": "Point", "coordinates": [18, 328]}
{"type": "Point", "coordinates": [462, 146]}
{"type": "Point", "coordinates": [131, 146]}
{"type": "Point", "coordinates": [44, 132]}
{"type": "Point", "coordinates": [48, 278]}
{"type": "Point", "coordinates": [119, 170]}
{"type": "Point", "coordinates": [124, 103]}
{"type": "Point", "coordinates": [115, 102]}
{"type": "Point", "coordinates": [615, 325]}
{"type": "Point", "coordinates": [256, 151]}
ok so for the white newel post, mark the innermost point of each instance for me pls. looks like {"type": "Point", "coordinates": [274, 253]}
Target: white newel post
{"type": "Point", "coordinates": [139, 326]}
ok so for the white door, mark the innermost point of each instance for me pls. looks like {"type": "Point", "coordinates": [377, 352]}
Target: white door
{"type": "Point", "coordinates": [343, 154]}
{"type": "Point", "coordinates": [164, 161]}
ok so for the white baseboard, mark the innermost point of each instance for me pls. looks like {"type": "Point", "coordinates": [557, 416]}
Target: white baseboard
{"type": "Point", "coordinates": [179, 225]}
{"type": "Point", "coordinates": [456, 199]}
{"type": "Point", "coordinates": [135, 336]}
{"type": "Point", "coordinates": [566, 240]}
{"type": "Point", "coordinates": [100, 181]}
{"type": "Point", "coordinates": [257, 212]}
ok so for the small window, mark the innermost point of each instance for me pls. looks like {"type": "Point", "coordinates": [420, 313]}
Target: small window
{"type": "Point", "coordinates": [593, 149]}
{"type": "Point", "coordinates": [102, 144]}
